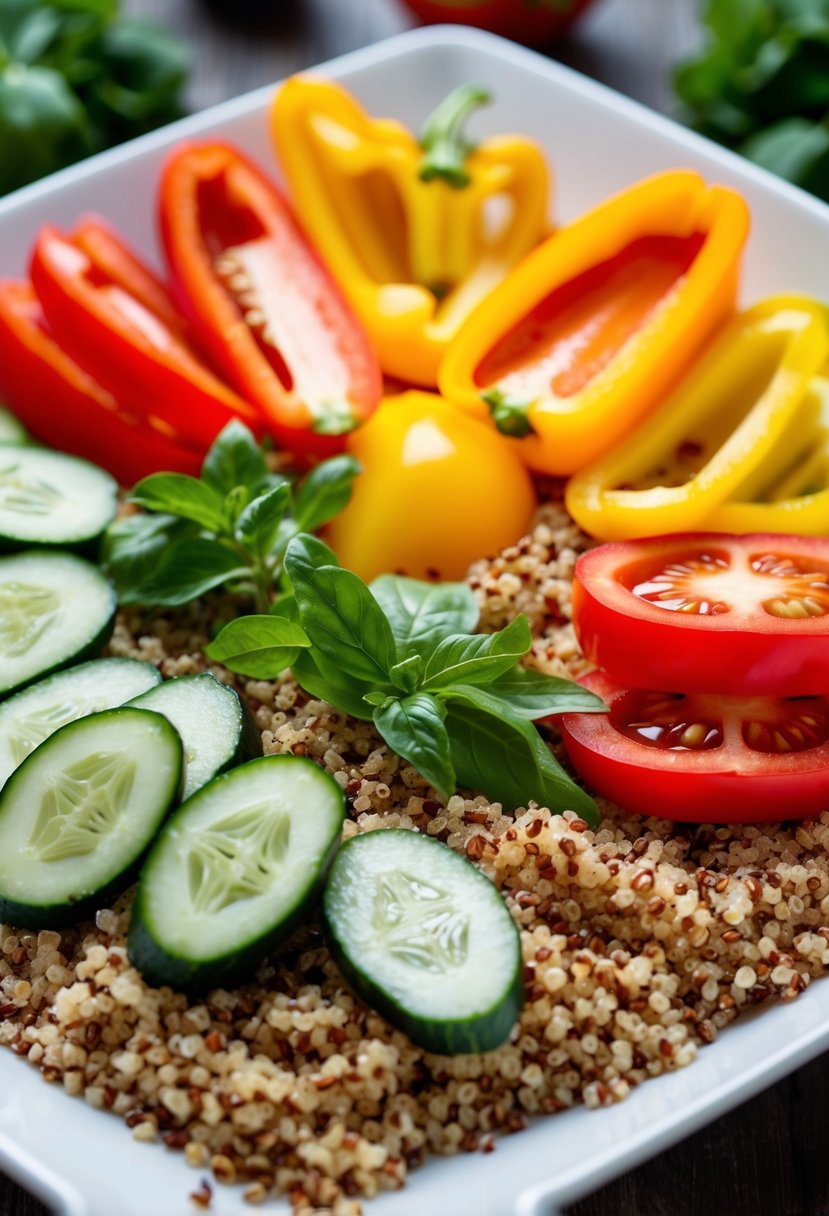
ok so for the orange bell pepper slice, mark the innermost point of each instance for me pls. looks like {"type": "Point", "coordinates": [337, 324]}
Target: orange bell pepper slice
{"type": "Point", "coordinates": [584, 337]}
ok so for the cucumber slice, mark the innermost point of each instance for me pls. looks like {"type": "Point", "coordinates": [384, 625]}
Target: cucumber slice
{"type": "Point", "coordinates": [424, 938]}
{"type": "Point", "coordinates": [234, 871]}
{"type": "Point", "coordinates": [77, 815]}
{"type": "Point", "coordinates": [217, 730]}
{"type": "Point", "coordinates": [55, 609]}
{"type": "Point", "coordinates": [36, 713]}
{"type": "Point", "coordinates": [11, 430]}
{"type": "Point", "coordinates": [47, 498]}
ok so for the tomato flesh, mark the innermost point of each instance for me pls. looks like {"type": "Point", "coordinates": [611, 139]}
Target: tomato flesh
{"type": "Point", "coordinates": [703, 758]}
{"type": "Point", "coordinates": [742, 615]}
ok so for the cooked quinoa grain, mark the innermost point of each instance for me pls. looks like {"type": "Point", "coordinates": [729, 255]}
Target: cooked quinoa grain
{"type": "Point", "coordinates": [641, 941]}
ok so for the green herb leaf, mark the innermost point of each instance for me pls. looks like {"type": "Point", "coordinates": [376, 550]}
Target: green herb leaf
{"type": "Point", "coordinates": [306, 554]}
{"type": "Point", "coordinates": [324, 492]}
{"type": "Point", "coordinates": [501, 754]}
{"type": "Point", "coordinates": [235, 459]}
{"type": "Point", "coordinates": [479, 658]}
{"type": "Point", "coordinates": [178, 494]}
{"type": "Point", "coordinates": [133, 547]}
{"type": "Point", "coordinates": [259, 523]}
{"type": "Point", "coordinates": [43, 126]}
{"type": "Point", "coordinates": [797, 149]}
{"type": "Point", "coordinates": [286, 607]}
{"type": "Point", "coordinates": [258, 646]}
{"type": "Point", "coordinates": [407, 674]}
{"type": "Point", "coordinates": [188, 569]}
{"type": "Point", "coordinates": [343, 619]}
{"type": "Point", "coordinates": [530, 694]}
{"type": "Point", "coordinates": [420, 614]}
{"type": "Point", "coordinates": [414, 728]}
{"type": "Point", "coordinates": [324, 679]}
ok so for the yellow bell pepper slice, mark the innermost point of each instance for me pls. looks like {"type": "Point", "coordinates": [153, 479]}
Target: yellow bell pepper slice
{"type": "Point", "coordinates": [416, 233]}
{"type": "Point", "coordinates": [585, 336]}
{"type": "Point", "coordinates": [793, 495]}
{"type": "Point", "coordinates": [738, 407]}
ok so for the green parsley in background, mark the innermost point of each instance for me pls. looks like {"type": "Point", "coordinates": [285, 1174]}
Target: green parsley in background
{"type": "Point", "coordinates": [761, 85]}
{"type": "Point", "coordinates": [74, 79]}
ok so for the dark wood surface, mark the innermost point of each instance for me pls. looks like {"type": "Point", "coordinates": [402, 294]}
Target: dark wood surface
{"type": "Point", "coordinates": [768, 1158]}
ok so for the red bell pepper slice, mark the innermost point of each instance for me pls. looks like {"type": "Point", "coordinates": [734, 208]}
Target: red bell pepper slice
{"type": "Point", "coordinates": [97, 317]}
{"type": "Point", "coordinates": [62, 405]}
{"type": "Point", "coordinates": [261, 301]}
{"type": "Point", "coordinates": [116, 262]}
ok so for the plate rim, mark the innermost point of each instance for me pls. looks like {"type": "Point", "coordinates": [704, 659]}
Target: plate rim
{"type": "Point", "coordinates": [540, 1199]}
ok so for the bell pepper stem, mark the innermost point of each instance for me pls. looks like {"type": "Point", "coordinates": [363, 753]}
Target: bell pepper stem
{"type": "Point", "coordinates": [444, 148]}
{"type": "Point", "coordinates": [511, 417]}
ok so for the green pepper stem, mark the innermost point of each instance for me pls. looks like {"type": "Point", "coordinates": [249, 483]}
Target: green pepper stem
{"type": "Point", "coordinates": [511, 417]}
{"type": "Point", "coordinates": [444, 148]}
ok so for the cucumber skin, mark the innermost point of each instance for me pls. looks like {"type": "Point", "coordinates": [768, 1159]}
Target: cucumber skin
{"type": "Point", "coordinates": [486, 1032]}
{"type": "Point", "coordinates": [59, 916]}
{"type": "Point", "coordinates": [162, 969]}
{"type": "Point", "coordinates": [90, 649]}
{"type": "Point", "coordinates": [249, 746]}
{"type": "Point", "coordinates": [250, 739]}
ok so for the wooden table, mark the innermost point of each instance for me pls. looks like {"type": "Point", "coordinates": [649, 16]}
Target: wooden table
{"type": "Point", "coordinates": [766, 1158]}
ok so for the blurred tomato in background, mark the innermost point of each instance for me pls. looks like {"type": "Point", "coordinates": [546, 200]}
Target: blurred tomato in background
{"type": "Point", "coordinates": [533, 22]}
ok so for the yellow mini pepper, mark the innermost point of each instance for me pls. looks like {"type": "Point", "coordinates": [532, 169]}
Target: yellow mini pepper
{"type": "Point", "coordinates": [415, 232]}
{"type": "Point", "coordinates": [437, 490]}
{"type": "Point", "coordinates": [585, 336]}
{"type": "Point", "coordinates": [792, 493]}
{"type": "Point", "coordinates": [740, 407]}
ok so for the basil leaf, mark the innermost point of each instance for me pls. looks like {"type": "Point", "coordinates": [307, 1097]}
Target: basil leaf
{"type": "Point", "coordinates": [406, 674]}
{"type": "Point", "coordinates": [286, 607]}
{"type": "Point", "coordinates": [420, 614]}
{"type": "Point", "coordinates": [234, 504]}
{"type": "Point", "coordinates": [188, 569]}
{"type": "Point", "coordinates": [495, 751]}
{"type": "Point", "coordinates": [133, 547]}
{"type": "Point", "coordinates": [479, 658]}
{"type": "Point", "coordinates": [258, 646]}
{"type": "Point", "coordinates": [324, 492]}
{"type": "Point", "coordinates": [43, 125]}
{"type": "Point", "coordinates": [178, 494]}
{"type": "Point", "coordinates": [259, 523]}
{"type": "Point", "coordinates": [305, 554]}
{"type": "Point", "coordinates": [326, 681]}
{"type": "Point", "coordinates": [342, 618]}
{"type": "Point", "coordinates": [795, 148]}
{"type": "Point", "coordinates": [414, 729]}
{"type": "Point", "coordinates": [530, 694]}
{"type": "Point", "coordinates": [235, 459]}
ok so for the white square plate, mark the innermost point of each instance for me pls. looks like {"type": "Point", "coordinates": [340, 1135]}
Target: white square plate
{"type": "Point", "coordinates": [87, 1165]}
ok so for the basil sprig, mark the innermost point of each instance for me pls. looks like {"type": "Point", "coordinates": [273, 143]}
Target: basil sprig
{"type": "Point", "coordinates": [230, 527]}
{"type": "Point", "coordinates": [456, 705]}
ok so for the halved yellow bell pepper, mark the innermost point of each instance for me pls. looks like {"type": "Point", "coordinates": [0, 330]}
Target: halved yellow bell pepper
{"type": "Point", "coordinates": [586, 335]}
{"type": "Point", "coordinates": [792, 493]}
{"type": "Point", "coordinates": [739, 407]}
{"type": "Point", "coordinates": [416, 233]}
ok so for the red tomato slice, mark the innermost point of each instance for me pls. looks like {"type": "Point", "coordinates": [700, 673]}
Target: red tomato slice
{"type": "Point", "coordinates": [704, 612]}
{"type": "Point", "coordinates": [703, 758]}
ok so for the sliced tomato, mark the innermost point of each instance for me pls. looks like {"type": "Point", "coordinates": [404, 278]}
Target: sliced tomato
{"type": "Point", "coordinates": [704, 612]}
{"type": "Point", "coordinates": [702, 757]}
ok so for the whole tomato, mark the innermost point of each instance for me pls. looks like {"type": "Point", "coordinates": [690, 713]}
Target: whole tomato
{"type": "Point", "coordinates": [533, 22]}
